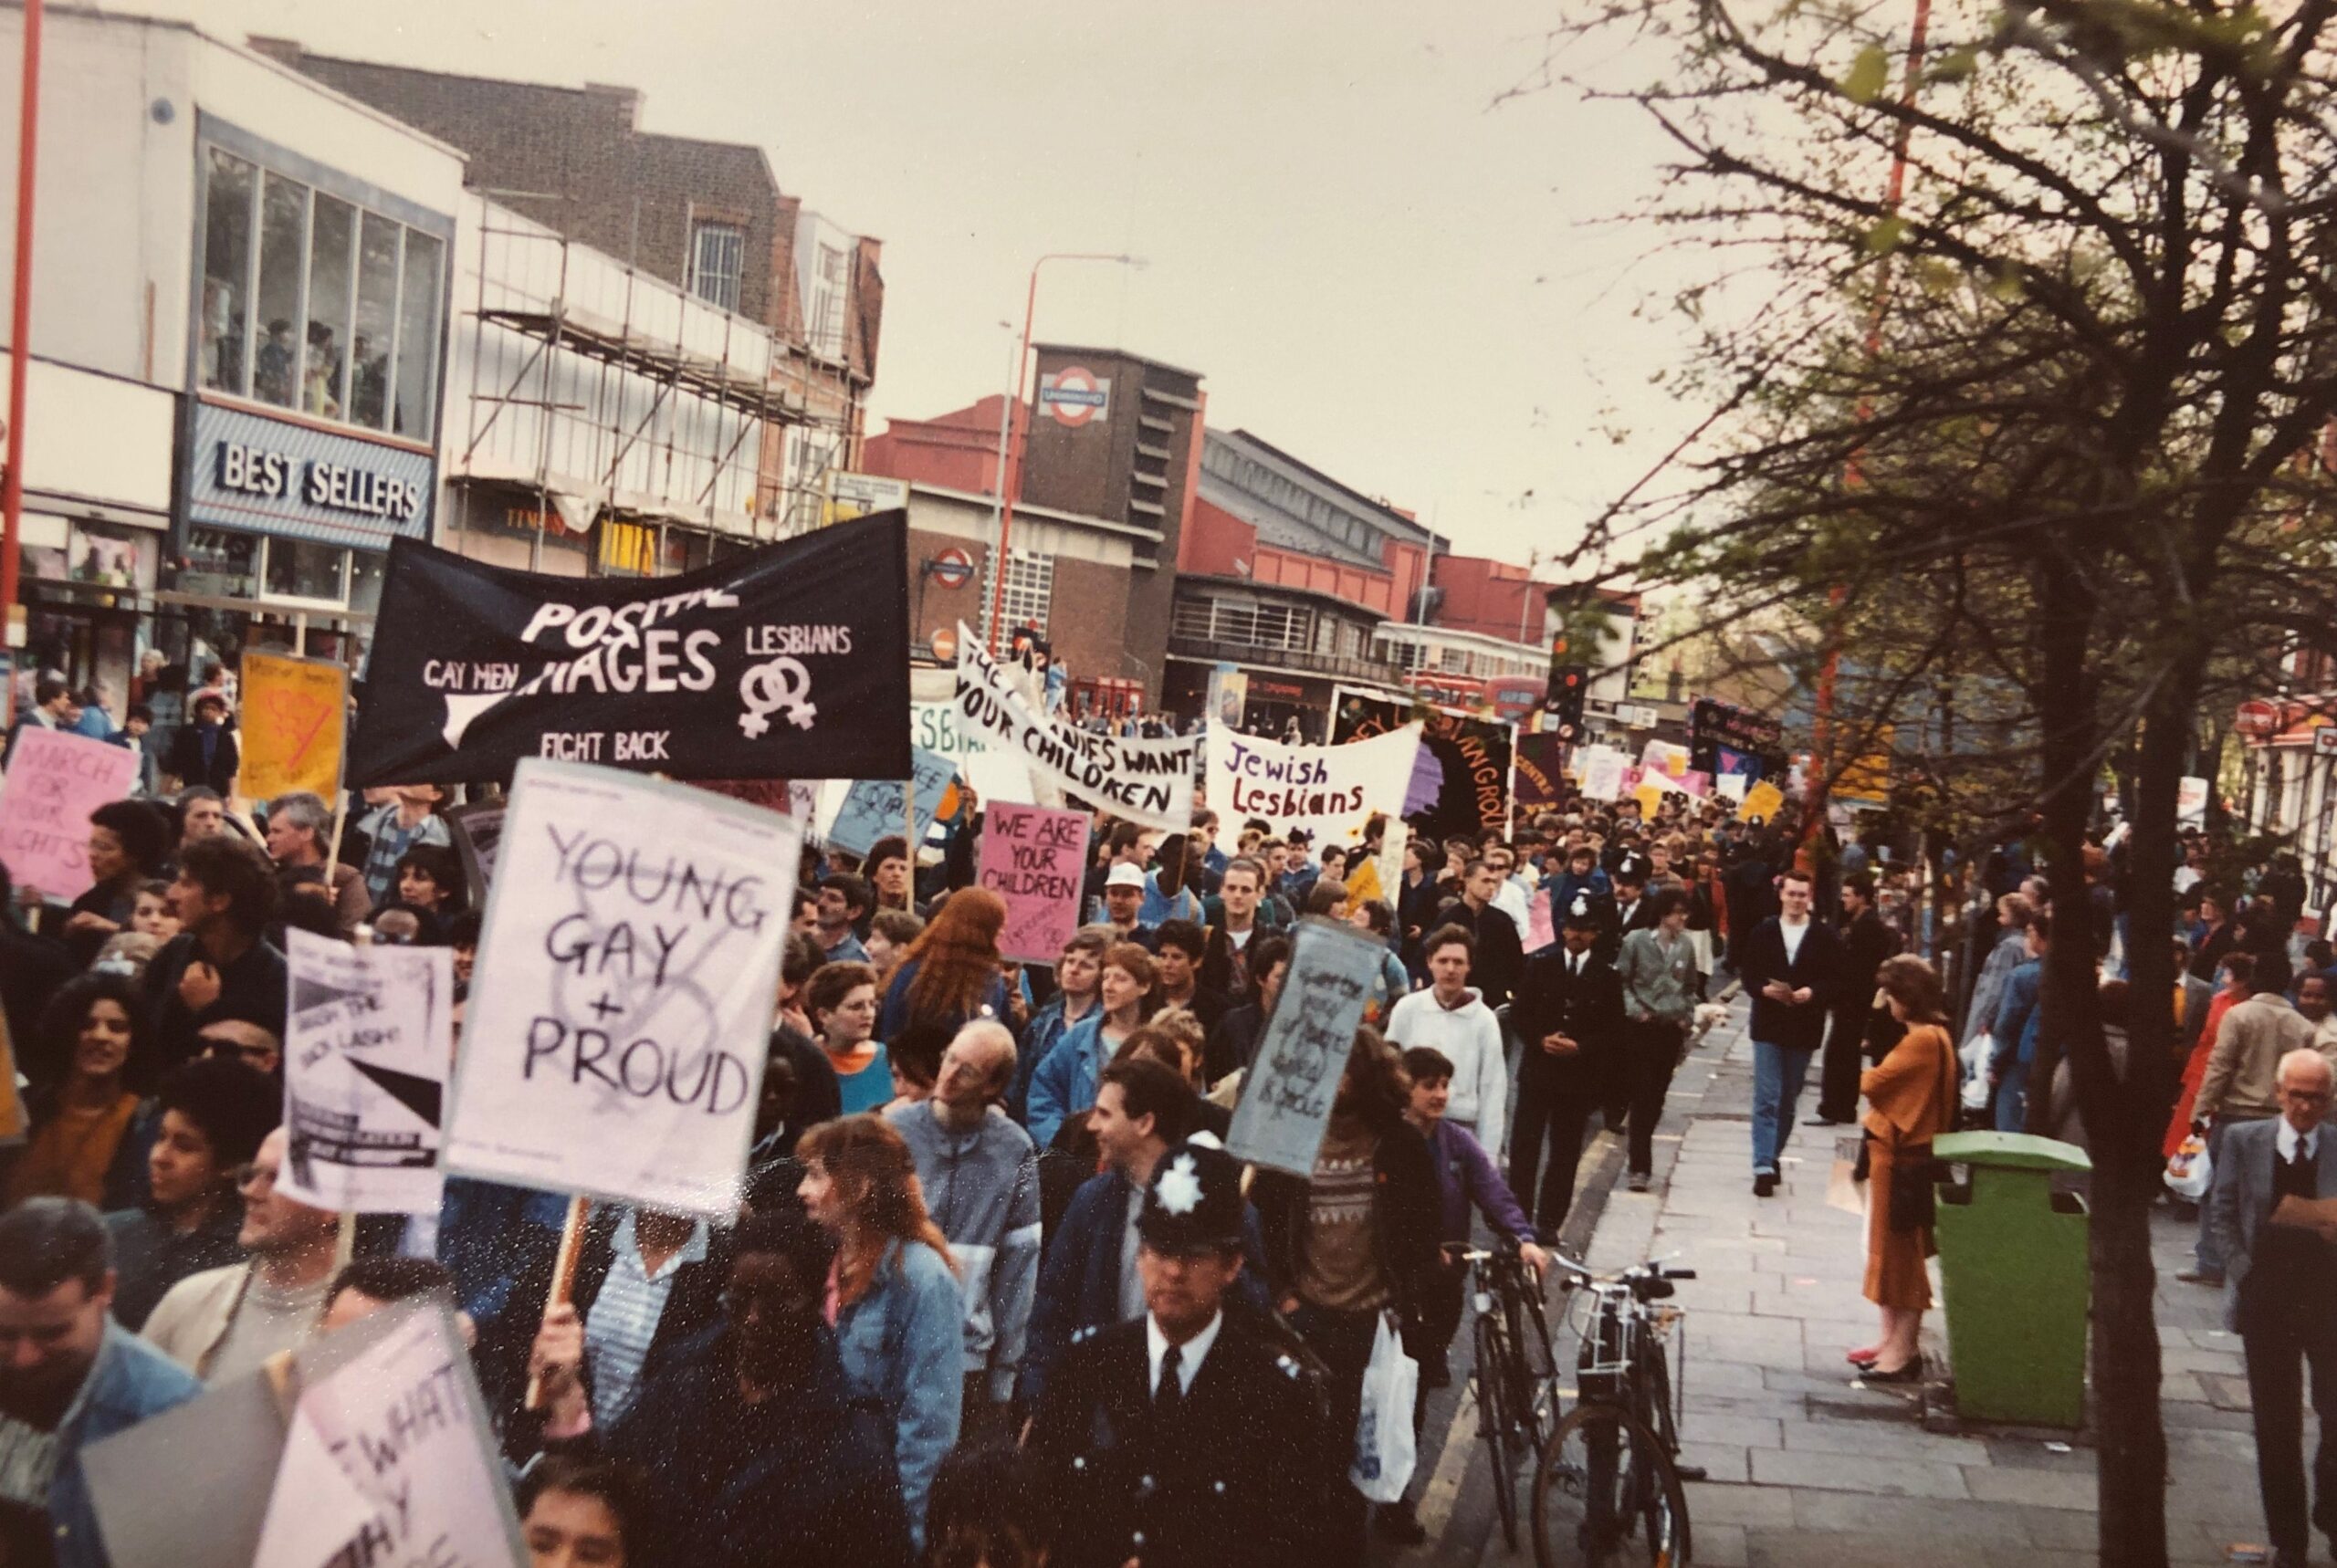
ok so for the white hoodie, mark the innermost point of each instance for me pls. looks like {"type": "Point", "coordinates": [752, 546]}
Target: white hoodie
{"type": "Point", "coordinates": [1471, 1035]}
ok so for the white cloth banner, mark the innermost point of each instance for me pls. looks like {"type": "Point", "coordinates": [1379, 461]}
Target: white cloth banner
{"type": "Point", "coordinates": [369, 1037]}
{"type": "Point", "coordinates": [389, 1461]}
{"type": "Point", "coordinates": [1145, 781]}
{"type": "Point", "coordinates": [615, 1042]}
{"type": "Point", "coordinates": [1328, 790]}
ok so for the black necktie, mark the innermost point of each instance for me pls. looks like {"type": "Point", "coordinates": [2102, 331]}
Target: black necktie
{"type": "Point", "coordinates": [1170, 1398]}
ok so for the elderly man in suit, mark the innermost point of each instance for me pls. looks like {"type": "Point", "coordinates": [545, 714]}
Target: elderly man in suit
{"type": "Point", "coordinates": [2275, 1208]}
{"type": "Point", "coordinates": [1793, 966]}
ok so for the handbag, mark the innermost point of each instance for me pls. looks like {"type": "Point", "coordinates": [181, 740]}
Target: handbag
{"type": "Point", "coordinates": [1914, 1200]}
{"type": "Point", "coordinates": [1384, 1448]}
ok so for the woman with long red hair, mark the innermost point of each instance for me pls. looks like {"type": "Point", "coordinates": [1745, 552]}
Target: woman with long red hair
{"type": "Point", "coordinates": [951, 974]}
{"type": "Point", "coordinates": [893, 1294]}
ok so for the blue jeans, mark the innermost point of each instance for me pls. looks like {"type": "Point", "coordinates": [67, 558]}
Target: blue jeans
{"type": "Point", "coordinates": [2012, 1098]}
{"type": "Point", "coordinates": [1778, 1072]}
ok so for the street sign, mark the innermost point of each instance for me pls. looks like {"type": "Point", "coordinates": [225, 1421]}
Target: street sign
{"type": "Point", "coordinates": [945, 645]}
{"type": "Point", "coordinates": [1072, 395]}
{"type": "Point", "coordinates": [953, 568]}
{"type": "Point", "coordinates": [2258, 716]}
{"type": "Point", "coordinates": [2324, 740]}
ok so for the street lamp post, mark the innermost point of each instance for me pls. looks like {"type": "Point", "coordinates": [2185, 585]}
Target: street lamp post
{"type": "Point", "coordinates": [11, 483]}
{"type": "Point", "coordinates": [1010, 483]}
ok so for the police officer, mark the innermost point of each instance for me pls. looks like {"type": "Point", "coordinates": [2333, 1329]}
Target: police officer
{"type": "Point", "coordinates": [1188, 1439]}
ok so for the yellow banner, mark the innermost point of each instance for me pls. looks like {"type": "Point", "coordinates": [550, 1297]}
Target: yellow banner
{"type": "Point", "coordinates": [295, 712]}
{"type": "Point", "coordinates": [1762, 801]}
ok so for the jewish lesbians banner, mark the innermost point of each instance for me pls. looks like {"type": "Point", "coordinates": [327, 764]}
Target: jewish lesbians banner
{"type": "Point", "coordinates": [1329, 791]}
{"type": "Point", "coordinates": [615, 1041]}
{"type": "Point", "coordinates": [370, 1035]}
{"type": "Point", "coordinates": [1145, 781]}
{"type": "Point", "coordinates": [788, 661]}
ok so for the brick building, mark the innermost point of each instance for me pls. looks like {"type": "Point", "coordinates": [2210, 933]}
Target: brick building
{"type": "Point", "coordinates": [709, 216]}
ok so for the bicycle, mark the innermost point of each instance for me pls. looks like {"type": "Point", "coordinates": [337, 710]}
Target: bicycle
{"type": "Point", "coordinates": [1607, 1489]}
{"type": "Point", "coordinates": [1516, 1372]}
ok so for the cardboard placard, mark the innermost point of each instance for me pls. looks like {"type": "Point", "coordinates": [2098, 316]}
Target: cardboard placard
{"type": "Point", "coordinates": [1286, 1093]}
{"type": "Point", "coordinates": [1762, 801]}
{"type": "Point", "coordinates": [55, 781]}
{"type": "Point", "coordinates": [615, 1042]}
{"type": "Point", "coordinates": [291, 725]}
{"type": "Point", "coordinates": [368, 1043]}
{"type": "Point", "coordinates": [1036, 860]}
{"type": "Point", "coordinates": [876, 808]}
{"type": "Point", "coordinates": [1602, 773]}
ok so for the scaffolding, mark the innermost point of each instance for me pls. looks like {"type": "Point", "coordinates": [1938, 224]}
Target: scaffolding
{"type": "Point", "coordinates": [623, 412]}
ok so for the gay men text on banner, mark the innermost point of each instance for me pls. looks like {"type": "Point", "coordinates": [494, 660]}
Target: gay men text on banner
{"type": "Point", "coordinates": [1147, 782]}
{"type": "Point", "coordinates": [292, 717]}
{"type": "Point", "coordinates": [1035, 859]}
{"type": "Point", "coordinates": [1330, 791]}
{"type": "Point", "coordinates": [55, 781]}
{"type": "Point", "coordinates": [368, 1038]}
{"type": "Point", "coordinates": [787, 662]}
{"type": "Point", "coordinates": [615, 1042]}
{"type": "Point", "coordinates": [1286, 1095]}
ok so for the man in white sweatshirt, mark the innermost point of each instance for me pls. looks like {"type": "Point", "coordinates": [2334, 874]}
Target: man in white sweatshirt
{"type": "Point", "coordinates": [1453, 1018]}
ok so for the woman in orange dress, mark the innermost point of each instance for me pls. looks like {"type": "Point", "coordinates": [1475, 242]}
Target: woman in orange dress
{"type": "Point", "coordinates": [1911, 1099]}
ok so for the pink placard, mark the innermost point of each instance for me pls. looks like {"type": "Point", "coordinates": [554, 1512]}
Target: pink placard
{"type": "Point", "coordinates": [1036, 860]}
{"type": "Point", "coordinates": [1539, 931]}
{"type": "Point", "coordinates": [53, 782]}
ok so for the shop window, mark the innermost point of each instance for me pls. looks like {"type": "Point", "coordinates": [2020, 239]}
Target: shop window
{"type": "Point", "coordinates": [366, 569]}
{"type": "Point", "coordinates": [336, 310]}
{"type": "Point", "coordinates": [232, 187]}
{"type": "Point", "coordinates": [283, 262]}
{"type": "Point", "coordinates": [417, 362]}
{"type": "Point", "coordinates": [299, 570]}
{"type": "Point", "coordinates": [377, 321]}
{"type": "Point", "coordinates": [332, 276]}
{"type": "Point", "coordinates": [717, 257]}
{"type": "Point", "coordinates": [221, 564]}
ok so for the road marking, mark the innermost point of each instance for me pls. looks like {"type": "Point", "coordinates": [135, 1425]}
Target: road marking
{"type": "Point", "coordinates": [1435, 1510]}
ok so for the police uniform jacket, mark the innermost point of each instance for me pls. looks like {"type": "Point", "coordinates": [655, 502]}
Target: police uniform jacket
{"type": "Point", "coordinates": [1234, 1475]}
{"type": "Point", "coordinates": [1587, 1009]}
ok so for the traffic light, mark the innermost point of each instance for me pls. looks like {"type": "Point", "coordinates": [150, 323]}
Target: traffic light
{"type": "Point", "coordinates": [1564, 704]}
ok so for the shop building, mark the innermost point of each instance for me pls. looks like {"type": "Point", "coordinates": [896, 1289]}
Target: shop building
{"type": "Point", "coordinates": [240, 283]}
{"type": "Point", "coordinates": [707, 217]}
{"type": "Point", "coordinates": [601, 421]}
{"type": "Point", "coordinates": [1289, 576]}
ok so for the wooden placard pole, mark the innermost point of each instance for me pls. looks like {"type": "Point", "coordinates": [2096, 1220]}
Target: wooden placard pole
{"type": "Point", "coordinates": [563, 1279]}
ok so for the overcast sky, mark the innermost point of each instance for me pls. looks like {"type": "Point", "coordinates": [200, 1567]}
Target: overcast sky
{"type": "Point", "coordinates": [1372, 264]}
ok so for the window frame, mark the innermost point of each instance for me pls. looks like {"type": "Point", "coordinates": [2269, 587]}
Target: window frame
{"type": "Point", "coordinates": [701, 229]}
{"type": "Point", "coordinates": [268, 160]}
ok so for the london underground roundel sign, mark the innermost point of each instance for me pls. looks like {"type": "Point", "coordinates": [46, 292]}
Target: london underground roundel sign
{"type": "Point", "coordinates": [1073, 395]}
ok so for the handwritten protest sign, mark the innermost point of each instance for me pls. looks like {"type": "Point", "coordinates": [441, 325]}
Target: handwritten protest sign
{"type": "Point", "coordinates": [1034, 859]}
{"type": "Point", "coordinates": [292, 717]}
{"type": "Point", "coordinates": [1540, 932]}
{"type": "Point", "coordinates": [1145, 781]}
{"type": "Point", "coordinates": [477, 833]}
{"type": "Point", "coordinates": [1664, 756]}
{"type": "Point", "coordinates": [875, 809]}
{"type": "Point", "coordinates": [388, 1461]}
{"type": "Point", "coordinates": [53, 782]}
{"type": "Point", "coordinates": [615, 1041]}
{"type": "Point", "coordinates": [1731, 785]}
{"type": "Point", "coordinates": [1330, 791]}
{"type": "Point", "coordinates": [1602, 773]}
{"type": "Point", "coordinates": [369, 1039]}
{"type": "Point", "coordinates": [1761, 801]}
{"type": "Point", "coordinates": [1286, 1095]}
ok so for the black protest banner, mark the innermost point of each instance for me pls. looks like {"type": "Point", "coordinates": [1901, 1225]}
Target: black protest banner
{"type": "Point", "coordinates": [1473, 755]}
{"type": "Point", "coordinates": [786, 661]}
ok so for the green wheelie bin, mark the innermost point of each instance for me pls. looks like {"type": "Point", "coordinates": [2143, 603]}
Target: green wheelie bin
{"type": "Point", "coordinates": [2012, 1258]}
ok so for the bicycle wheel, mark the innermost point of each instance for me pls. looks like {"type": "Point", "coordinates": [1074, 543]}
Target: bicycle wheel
{"type": "Point", "coordinates": [1495, 1423]}
{"type": "Point", "coordinates": [1529, 1331]}
{"type": "Point", "coordinates": [1605, 1496]}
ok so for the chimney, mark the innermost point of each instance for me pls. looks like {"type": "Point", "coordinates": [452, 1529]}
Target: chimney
{"type": "Point", "coordinates": [624, 102]}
